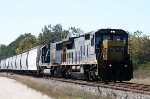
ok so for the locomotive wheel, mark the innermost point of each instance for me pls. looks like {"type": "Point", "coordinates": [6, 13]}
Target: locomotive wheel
{"type": "Point", "coordinates": [54, 72]}
{"type": "Point", "coordinates": [41, 73]}
{"type": "Point", "coordinates": [68, 73]}
{"type": "Point", "coordinates": [90, 75]}
{"type": "Point", "coordinates": [86, 73]}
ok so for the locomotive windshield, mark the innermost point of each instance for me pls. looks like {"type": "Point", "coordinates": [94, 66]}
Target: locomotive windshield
{"type": "Point", "coordinates": [116, 38]}
{"type": "Point", "coordinates": [110, 34]}
{"type": "Point", "coordinates": [113, 37]}
{"type": "Point", "coordinates": [106, 37]}
{"type": "Point", "coordinates": [116, 35]}
{"type": "Point", "coordinates": [98, 39]}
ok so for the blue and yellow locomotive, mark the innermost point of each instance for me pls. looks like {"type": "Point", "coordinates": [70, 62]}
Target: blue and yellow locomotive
{"type": "Point", "coordinates": [98, 55]}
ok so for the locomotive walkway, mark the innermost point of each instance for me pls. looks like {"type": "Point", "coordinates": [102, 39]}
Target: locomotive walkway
{"type": "Point", "coordinates": [11, 89]}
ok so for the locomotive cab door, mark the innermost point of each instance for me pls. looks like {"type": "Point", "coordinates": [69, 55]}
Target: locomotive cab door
{"type": "Point", "coordinates": [64, 51]}
{"type": "Point", "coordinates": [43, 53]}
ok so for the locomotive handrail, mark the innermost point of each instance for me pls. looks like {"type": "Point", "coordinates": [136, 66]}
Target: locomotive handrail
{"type": "Point", "coordinates": [130, 51]}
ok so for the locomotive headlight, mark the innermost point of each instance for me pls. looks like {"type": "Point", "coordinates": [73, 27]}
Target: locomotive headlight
{"type": "Point", "coordinates": [110, 65]}
{"type": "Point", "coordinates": [112, 31]}
{"type": "Point", "coordinates": [125, 65]}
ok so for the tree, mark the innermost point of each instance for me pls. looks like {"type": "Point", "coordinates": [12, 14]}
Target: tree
{"type": "Point", "coordinates": [140, 47]}
{"type": "Point", "coordinates": [7, 51]}
{"type": "Point", "coordinates": [3, 49]}
{"type": "Point", "coordinates": [28, 42]}
{"type": "Point", "coordinates": [52, 34]}
{"type": "Point", "coordinates": [75, 32]}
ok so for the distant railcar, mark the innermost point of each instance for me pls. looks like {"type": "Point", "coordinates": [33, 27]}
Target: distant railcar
{"type": "Point", "coordinates": [26, 61]}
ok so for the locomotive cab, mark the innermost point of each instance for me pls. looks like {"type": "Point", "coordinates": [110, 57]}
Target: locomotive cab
{"type": "Point", "coordinates": [114, 62]}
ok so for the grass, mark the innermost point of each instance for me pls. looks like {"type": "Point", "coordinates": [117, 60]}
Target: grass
{"type": "Point", "coordinates": [142, 71]}
{"type": "Point", "coordinates": [142, 74]}
{"type": "Point", "coordinates": [53, 88]}
{"type": "Point", "coordinates": [141, 80]}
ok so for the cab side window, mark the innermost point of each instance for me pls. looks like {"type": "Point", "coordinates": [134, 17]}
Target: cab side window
{"type": "Point", "coordinates": [106, 37]}
{"type": "Point", "coordinates": [92, 41]}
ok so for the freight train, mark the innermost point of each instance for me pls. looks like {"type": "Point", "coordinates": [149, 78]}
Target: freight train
{"type": "Point", "coordinates": [97, 55]}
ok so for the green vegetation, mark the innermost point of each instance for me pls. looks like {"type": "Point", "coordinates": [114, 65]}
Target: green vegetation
{"type": "Point", "coordinates": [142, 71]}
{"type": "Point", "coordinates": [140, 52]}
{"type": "Point", "coordinates": [50, 33]}
{"type": "Point", "coordinates": [26, 43]}
{"type": "Point", "coordinates": [6, 51]}
{"type": "Point", "coordinates": [140, 48]}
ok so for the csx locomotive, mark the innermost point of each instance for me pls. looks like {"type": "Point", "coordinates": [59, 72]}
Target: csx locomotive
{"type": "Point", "coordinates": [98, 55]}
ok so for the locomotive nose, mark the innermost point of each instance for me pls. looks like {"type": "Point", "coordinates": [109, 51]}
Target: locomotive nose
{"type": "Point", "coordinates": [113, 50]}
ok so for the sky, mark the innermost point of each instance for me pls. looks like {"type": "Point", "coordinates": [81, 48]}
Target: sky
{"type": "Point", "coordinates": [29, 16]}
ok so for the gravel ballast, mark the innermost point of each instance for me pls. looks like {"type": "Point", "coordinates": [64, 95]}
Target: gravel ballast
{"type": "Point", "coordinates": [58, 89]}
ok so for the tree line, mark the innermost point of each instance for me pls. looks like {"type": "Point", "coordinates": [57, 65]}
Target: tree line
{"type": "Point", "coordinates": [49, 33]}
{"type": "Point", "coordinates": [139, 48]}
{"type": "Point", "coordinates": [139, 44]}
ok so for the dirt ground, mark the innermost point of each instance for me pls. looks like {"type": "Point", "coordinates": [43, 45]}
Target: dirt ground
{"type": "Point", "coordinates": [48, 87]}
{"type": "Point", "coordinates": [12, 89]}
{"type": "Point", "coordinates": [52, 88]}
{"type": "Point", "coordinates": [141, 77]}
{"type": "Point", "coordinates": [141, 80]}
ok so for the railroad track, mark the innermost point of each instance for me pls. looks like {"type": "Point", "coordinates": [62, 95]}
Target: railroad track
{"type": "Point", "coordinates": [124, 86]}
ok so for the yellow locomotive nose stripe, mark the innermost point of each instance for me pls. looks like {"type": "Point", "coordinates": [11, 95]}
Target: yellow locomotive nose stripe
{"type": "Point", "coordinates": [113, 50]}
